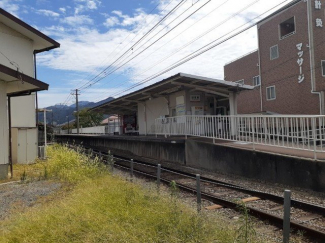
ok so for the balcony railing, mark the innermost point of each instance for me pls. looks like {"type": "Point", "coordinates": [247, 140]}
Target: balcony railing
{"type": "Point", "coordinates": [296, 132]}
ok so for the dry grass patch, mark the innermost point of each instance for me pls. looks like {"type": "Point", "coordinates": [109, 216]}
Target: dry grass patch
{"type": "Point", "coordinates": [106, 208]}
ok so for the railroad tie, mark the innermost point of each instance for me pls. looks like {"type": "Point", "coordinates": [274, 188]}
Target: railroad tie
{"type": "Point", "coordinates": [309, 217]}
{"type": "Point", "coordinates": [276, 208]}
{"type": "Point", "coordinates": [250, 199]}
{"type": "Point", "coordinates": [212, 207]}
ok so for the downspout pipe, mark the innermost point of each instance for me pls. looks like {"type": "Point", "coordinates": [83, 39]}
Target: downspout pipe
{"type": "Point", "coordinates": [36, 97]}
{"type": "Point", "coordinates": [259, 67]}
{"type": "Point", "coordinates": [312, 55]}
{"type": "Point", "coordinates": [10, 139]}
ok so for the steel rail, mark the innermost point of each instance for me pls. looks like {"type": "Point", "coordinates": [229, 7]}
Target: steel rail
{"type": "Point", "coordinates": [279, 199]}
{"type": "Point", "coordinates": [264, 195]}
{"type": "Point", "coordinates": [275, 220]}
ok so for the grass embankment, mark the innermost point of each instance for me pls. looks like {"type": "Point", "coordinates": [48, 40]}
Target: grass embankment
{"type": "Point", "coordinates": [105, 208]}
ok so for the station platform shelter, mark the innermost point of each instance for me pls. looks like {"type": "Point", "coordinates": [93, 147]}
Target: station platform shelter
{"type": "Point", "coordinates": [176, 96]}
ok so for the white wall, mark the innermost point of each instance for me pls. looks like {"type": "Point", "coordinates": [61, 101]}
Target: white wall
{"type": "Point", "coordinates": [153, 109]}
{"type": "Point", "coordinates": [23, 111]}
{"type": "Point", "coordinates": [4, 131]}
{"type": "Point", "coordinates": [18, 49]}
{"type": "Point", "coordinates": [89, 130]}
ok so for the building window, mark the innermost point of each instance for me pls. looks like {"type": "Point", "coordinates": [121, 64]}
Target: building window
{"type": "Point", "coordinates": [287, 28]}
{"type": "Point", "coordinates": [270, 93]}
{"type": "Point", "coordinates": [257, 81]}
{"type": "Point", "coordinates": [242, 82]}
{"type": "Point", "coordinates": [274, 52]}
{"type": "Point", "coordinates": [323, 68]}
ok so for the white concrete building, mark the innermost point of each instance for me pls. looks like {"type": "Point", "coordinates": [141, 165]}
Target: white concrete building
{"type": "Point", "coordinates": [179, 95]}
{"type": "Point", "coordinates": [19, 44]}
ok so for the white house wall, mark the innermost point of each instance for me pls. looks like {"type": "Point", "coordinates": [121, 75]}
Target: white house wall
{"type": "Point", "coordinates": [18, 49]}
{"type": "Point", "coordinates": [23, 111]}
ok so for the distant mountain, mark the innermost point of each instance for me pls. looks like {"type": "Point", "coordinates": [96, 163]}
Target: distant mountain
{"type": "Point", "coordinates": [62, 113]}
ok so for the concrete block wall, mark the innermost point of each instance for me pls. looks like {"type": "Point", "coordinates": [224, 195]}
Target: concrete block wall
{"type": "Point", "coordinates": [256, 165]}
{"type": "Point", "coordinates": [155, 149]}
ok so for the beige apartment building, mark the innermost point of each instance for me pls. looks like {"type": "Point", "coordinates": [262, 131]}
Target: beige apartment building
{"type": "Point", "coordinates": [288, 69]}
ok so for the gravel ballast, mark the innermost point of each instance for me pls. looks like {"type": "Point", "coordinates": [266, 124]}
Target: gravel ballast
{"type": "Point", "coordinates": [22, 195]}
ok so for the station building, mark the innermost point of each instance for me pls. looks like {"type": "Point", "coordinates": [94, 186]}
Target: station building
{"type": "Point", "coordinates": [19, 44]}
{"type": "Point", "coordinates": [288, 69]}
{"type": "Point", "coordinates": [178, 95]}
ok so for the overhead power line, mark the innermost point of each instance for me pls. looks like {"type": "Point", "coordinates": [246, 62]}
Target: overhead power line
{"type": "Point", "coordinates": [174, 52]}
{"type": "Point", "coordinates": [137, 42]}
{"type": "Point", "coordinates": [108, 55]}
{"type": "Point", "coordinates": [67, 99]}
{"type": "Point", "coordinates": [203, 34]}
{"type": "Point", "coordinates": [201, 50]}
{"type": "Point", "coordinates": [114, 70]}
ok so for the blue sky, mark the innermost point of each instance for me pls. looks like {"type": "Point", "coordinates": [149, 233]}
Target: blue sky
{"type": "Point", "coordinates": [95, 33]}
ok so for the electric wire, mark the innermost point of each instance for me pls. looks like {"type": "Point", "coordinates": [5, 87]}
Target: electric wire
{"type": "Point", "coordinates": [200, 51]}
{"type": "Point", "coordinates": [232, 16]}
{"type": "Point", "coordinates": [187, 44]}
{"type": "Point", "coordinates": [107, 74]}
{"type": "Point", "coordinates": [92, 72]}
{"type": "Point", "coordinates": [137, 42]}
{"type": "Point", "coordinates": [159, 61]}
{"type": "Point", "coordinates": [130, 54]}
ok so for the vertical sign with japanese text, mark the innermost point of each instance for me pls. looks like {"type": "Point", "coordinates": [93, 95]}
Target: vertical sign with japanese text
{"type": "Point", "coordinates": [300, 62]}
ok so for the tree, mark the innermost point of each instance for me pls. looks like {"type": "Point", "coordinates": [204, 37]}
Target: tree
{"type": "Point", "coordinates": [89, 118]}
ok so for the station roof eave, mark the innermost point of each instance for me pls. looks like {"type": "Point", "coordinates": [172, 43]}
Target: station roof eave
{"type": "Point", "coordinates": [18, 83]}
{"type": "Point", "coordinates": [128, 104]}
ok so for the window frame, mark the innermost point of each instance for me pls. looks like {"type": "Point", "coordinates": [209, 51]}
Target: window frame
{"type": "Point", "coordinates": [277, 46]}
{"type": "Point", "coordinates": [259, 81]}
{"type": "Point", "coordinates": [323, 67]}
{"type": "Point", "coordinates": [269, 87]}
{"type": "Point", "coordinates": [241, 81]}
{"type": "Point", "coordinates": [290, 34]}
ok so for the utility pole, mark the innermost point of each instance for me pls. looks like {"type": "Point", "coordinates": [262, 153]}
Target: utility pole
{"type": "Point", "coordinates": [45, 133]}
{"type": "Point", "coordinates": [77, 109]}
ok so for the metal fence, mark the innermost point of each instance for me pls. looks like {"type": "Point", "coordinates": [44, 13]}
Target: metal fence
{"type": "Point", "coordinates": [297, 132]}
{"type": "Point", "coordinates": [108, 129]}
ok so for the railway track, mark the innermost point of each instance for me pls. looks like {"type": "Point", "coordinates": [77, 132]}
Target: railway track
{"type": "Point", "coordinates": [305, 217]}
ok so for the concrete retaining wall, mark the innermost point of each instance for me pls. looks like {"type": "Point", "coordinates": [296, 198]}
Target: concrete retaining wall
{"type": "Point", "coordinates": [256, 165]}
{"type": "Point", "coordinates": [212, 157]}
{"type": "Point", "coordinates": [156, 149]}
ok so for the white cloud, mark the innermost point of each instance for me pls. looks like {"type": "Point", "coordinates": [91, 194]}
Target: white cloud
{"type": "Point", "coordinates": [92, 5]}
{"type": "Point", "coordinates": [87, 50]}
{"type": "Point", "coordinates": [48, 13]}
{"type": "Point", "coordinates": [118, 13]}
{"type": "Point", "coordinates": [111, 21]}
{"type": "Point", "coordinates": [77, 20]}
{"type": "Point", "coordinates": [84, 5]}
{"type": "Point", "coordinates": [10, 6]}
{"type": "Point", "coordinates": [63, 10]}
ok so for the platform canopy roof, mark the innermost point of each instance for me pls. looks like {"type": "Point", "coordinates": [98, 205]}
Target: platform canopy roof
{"type": "Point", "coordinates": [128, 104]}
